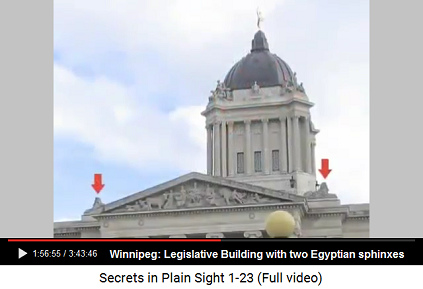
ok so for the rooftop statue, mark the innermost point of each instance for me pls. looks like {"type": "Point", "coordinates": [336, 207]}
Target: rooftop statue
{"type": "Point", "coordinates": [259, 18]}
{"type": "Point", "coordinates": [255, 88]}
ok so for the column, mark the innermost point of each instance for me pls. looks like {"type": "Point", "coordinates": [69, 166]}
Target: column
{"type": "Point", "coordinates": [297, 143]}
{"type": "Point", "coordinates": [308, 168]}
{"type": "Point", "coordinates": [217, 144]}
{"type": "Point", "coordinates": [253, 234]}
{"type": "Point", "coordinates": [313, 157]}
{"type": "Point", "coordinates": [209, 150]}
{"type": "Point", "coordinates": [297, 230]}
{"type": "Point", "coordinates": [290, 145]}
{"type": "Point", "coordinates": [215, 235]}
{"type": "Point", "coordinates": [283, 156]}
{"type": "Point", "coordinates": [223, 150]}
{"type": "Point", "coordinates": [248, 153]}
{"type": "Point", "coordinates": [231, 155]}
{"type": "Point", "coordinates": [266, 154]}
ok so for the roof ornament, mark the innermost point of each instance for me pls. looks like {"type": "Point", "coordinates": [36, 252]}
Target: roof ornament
{"type": "Point", "coordinates": [221, 91]}
{"type": "Point", "coordinates": [98, 205]}
{"type": "Point", "coordinates": [321, 193]}
{"type": "Point", "coordinates": [300, 88]}
{"type": "Point", "coordinates": [255, 88]}
{"type": "Point", "coordinates": [260, 18]}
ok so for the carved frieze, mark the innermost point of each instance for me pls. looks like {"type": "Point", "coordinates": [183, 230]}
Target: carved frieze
{"type": "Point", "coordinates": [196, 195]}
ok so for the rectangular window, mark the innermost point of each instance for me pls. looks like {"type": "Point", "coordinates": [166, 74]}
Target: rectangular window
{"type": "Point", "coordinates": [275, 160]}
{"type": "Point", "coordinates": [240, 163]}
{"type": "Point", "coordinates": [257, 162]}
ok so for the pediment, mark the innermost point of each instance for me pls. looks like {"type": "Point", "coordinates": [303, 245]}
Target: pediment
{"type": "Point", "coordinates": [195, 191]}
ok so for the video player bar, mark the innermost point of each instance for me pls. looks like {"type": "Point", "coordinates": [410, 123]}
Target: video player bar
{"type": "Point", "coordinates": [212, 252]}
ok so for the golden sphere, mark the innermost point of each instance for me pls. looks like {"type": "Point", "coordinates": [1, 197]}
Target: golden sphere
{"type": "Point", "coordinates": [280, 224]}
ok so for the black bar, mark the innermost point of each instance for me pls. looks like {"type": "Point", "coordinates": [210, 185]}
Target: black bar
{"type": "Point", "coordinates": [212, 252]}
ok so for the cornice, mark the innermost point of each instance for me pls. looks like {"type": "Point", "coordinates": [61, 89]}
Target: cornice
{"type": "Point", "coordinates": [66, 235]}
{"type": "Point", "coordinates": [219, 181]}
{"type": "Point", "coordinates": [357, 218]}
{"type": "Point", "coordinates": [196, 211]}
{"type": "Point", "coordinates": [237, 105]}
{"type": "Point", "coordinates": [70, 230]}
{"type": "Point", "coordinates": [325, 214]}
{"type": "Point", "coordinates": [345, 214]}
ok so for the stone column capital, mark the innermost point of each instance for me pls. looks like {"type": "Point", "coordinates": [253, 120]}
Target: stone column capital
{"type": "Point", "coordinates": [247, 122]}
{"type": "Point", "coordinates": [264, 120]}
{"type": "Point", "coordinates": [230, 123]}
{"type": "Point", "coordinates": [282, 118]}
{"type": "Point", "coordinates": [217, 122]}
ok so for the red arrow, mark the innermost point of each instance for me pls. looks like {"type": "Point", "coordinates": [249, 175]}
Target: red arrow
{"type": "Point", "coordinates": [98, 185]}
{"type": "Point", "coordinates": [325, 168]}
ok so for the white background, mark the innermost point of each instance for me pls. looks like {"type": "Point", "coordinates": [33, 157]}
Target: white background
{"type": "Point", "coordinates": [89, 276]}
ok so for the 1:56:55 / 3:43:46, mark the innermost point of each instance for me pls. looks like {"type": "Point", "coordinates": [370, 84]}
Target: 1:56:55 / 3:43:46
{"type": "Point", "coordinates": [65, 253]}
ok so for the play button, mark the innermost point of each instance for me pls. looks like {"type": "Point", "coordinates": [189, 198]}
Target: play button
{"type": "Point", "coordinates": [21, 253]}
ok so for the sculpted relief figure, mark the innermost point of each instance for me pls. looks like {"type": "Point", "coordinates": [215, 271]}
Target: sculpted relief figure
{"type": "Point", "coordinates": [231, 196]}
{"type": "Point", "coordinates": [157, 202]}
{"type": "Point", "coordinates": [221, 91]}
{"type": "Point", "coordinates": [180, 197]}
{"type": "Point", "coordinates": [194, 196]}
{"type": "Point", "coordinates": [237, 197]}
{"type": "Point", "coordinates": [134, 207]}
{"type": "Point", "coordinates": [254, 198]}
{"type": "Point", "coordinates": [211, 196]}
{"type": "Point", "coordinates": [137, 206]}
{"type": "Point", "coordinates": [190, 195]}
{"type": "Point", "coordinates": [260, 199]}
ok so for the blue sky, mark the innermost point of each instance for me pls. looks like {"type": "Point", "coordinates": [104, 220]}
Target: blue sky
{"type": "Point", "coordinates": [131, 78]}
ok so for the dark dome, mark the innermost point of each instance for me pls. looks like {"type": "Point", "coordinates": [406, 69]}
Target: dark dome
{"type": "Point", "coordinates": [260, 66]}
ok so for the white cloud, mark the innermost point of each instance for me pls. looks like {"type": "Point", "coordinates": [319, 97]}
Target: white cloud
{"type": "Point", "coordinates": [106, 116]}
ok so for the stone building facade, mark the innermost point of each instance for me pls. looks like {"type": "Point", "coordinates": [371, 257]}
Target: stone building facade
{"type": "Point", "coordinates": [260, 158]}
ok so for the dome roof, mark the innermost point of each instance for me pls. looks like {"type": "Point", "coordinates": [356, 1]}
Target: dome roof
{"type": "Point", "coordinates": [260, 66]}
